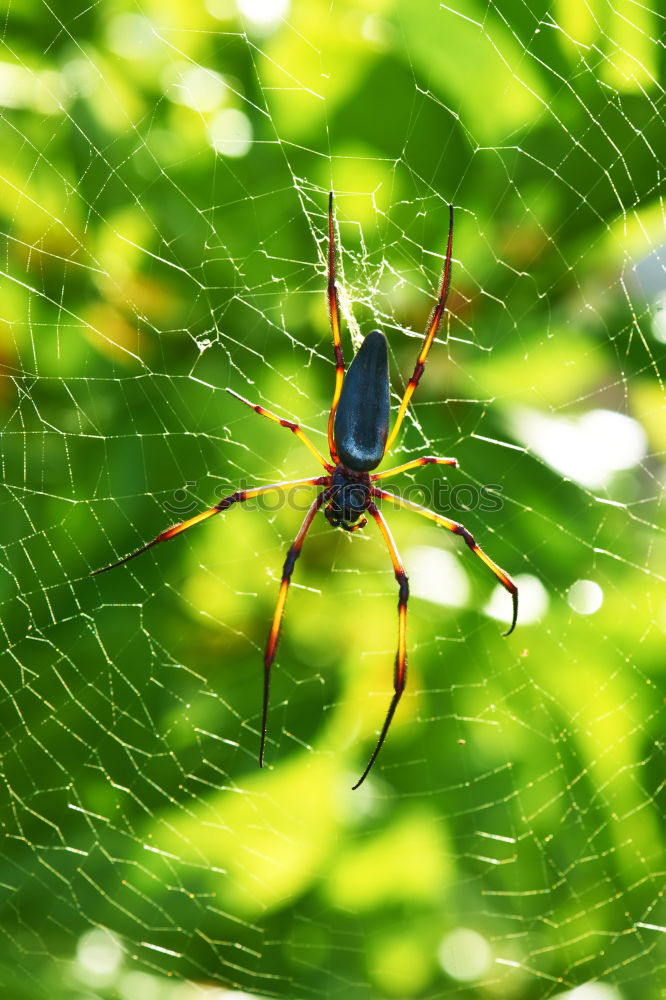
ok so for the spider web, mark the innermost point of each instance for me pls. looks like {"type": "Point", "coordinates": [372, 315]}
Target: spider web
{"type": "Point", "coordinates": [165, 176]}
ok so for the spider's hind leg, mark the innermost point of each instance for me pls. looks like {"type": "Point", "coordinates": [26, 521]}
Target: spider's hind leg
{"type": "Point", "coordinates": [274, 634]}
{"type": "Point", "coordinates": [400, 671]}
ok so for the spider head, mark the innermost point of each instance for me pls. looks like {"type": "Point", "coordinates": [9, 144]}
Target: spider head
{"type": "Point", "coordinates": [350, 499]}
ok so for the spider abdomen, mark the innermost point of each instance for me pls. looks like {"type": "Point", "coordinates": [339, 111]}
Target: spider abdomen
{"type": "Point", "coordinates": [362, 416]}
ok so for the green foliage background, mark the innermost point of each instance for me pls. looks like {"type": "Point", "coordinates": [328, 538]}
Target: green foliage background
{"type": "Point", "coordinates": [520, 793]}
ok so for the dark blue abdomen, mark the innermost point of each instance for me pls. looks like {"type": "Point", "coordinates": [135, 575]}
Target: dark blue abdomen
{"type": "Point", "coordinates": [362, 418]}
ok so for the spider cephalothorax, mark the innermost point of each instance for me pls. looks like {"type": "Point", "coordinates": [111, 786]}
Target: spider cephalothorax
{"type": "Point", "coordinates": [358, 440]}
{"type": "Point", "coordinates": [349, 500]}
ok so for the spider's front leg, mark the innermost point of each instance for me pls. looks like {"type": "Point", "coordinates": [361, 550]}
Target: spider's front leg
{"type": "Point", "coordinates": [430, 334]}
{"type": "Point", "coordinates": [289, 424]}
{"type": "Point", "coordinates": [334, 315]}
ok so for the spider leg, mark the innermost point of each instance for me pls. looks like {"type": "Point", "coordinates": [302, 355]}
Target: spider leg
{"type": "Point", "coordinates": [459, 529]}
{"type": "Point", "coordinates": [294, 428]}
{"type": "Point", "coordinates": [430, 334]}
{"type": "Point", "coordinates": [415, 464]}
{"type": "Point", "coordinates": [400, 671]}
{"type": "Point", "coordinates": [274, 634]}
{"type": "Point", "coordinates": [239, 497]}
{"type": "Point", "coordinates": [334, 313]}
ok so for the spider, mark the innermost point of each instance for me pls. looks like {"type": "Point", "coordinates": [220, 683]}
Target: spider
{"type": "Point", "coordinates": [358, 440]}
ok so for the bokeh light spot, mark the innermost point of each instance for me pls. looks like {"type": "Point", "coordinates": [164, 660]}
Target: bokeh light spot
{"type": "Point", "coordinates": [195, 86]}
{"type": "Point", "coordinates": [230, 133]}
{"type": "Point", "coordinates": [585, 597]}
{"type": "Point", "coordinates": [588, 449]}
{"type": "Point", "coordinates": [591, 991]}
{"type": "Point", "coordinates": [437, 576]}
{"type": "Point", "coordinates": [464, 955]}
{"type": "Point", "coordinates": [264, 13]}
{"type": "Point", "coordinates": [99, 955]}
{"type": "Point", "coordinates": [132, 36]}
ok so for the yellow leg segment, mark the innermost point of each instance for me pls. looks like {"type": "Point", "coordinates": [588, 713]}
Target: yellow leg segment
{"type": "Point", "coordinates": [414, 464]}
